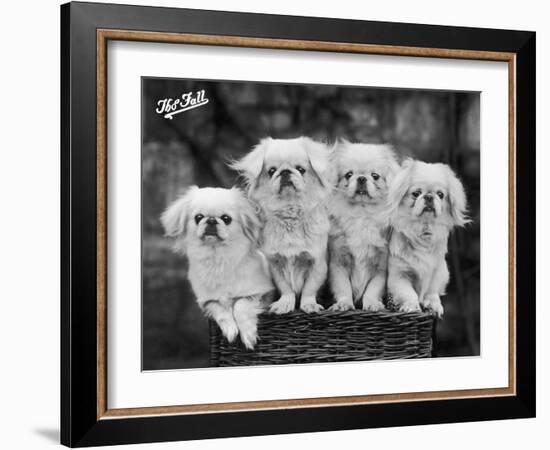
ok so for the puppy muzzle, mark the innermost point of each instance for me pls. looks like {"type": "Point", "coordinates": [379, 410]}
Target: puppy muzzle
{"type": "Point", "coordinates": [211, 229]}
{"type": "Point", "coordinates": [285, 179]}
{"type": "Point", "coordinates": [429, 205]}
{"type": "Point", "coordinates": [361, 188]}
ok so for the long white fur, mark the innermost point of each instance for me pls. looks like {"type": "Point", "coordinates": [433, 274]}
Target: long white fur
{"type": "Point", "coordinates": [295, 219]}
{"type": "Point", "coordinates": [417, 270]}
{"type": "Point", "coordinates": [358, 237]}
{"type": "Point", "coordinates": [228, 273]}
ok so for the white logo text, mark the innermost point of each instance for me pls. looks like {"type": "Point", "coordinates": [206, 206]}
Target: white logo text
{"type": "Point", "coordinates": [169, 107]}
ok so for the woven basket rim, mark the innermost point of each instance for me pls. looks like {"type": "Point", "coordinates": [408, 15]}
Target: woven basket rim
{"type": "Point", "coordinates": [353, 312]}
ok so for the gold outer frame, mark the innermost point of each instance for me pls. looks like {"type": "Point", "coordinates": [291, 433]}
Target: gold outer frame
{"type": "Point", "coordinates": [104, 35]}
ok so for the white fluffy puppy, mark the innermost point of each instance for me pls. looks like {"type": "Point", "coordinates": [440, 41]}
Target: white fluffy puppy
{"type": "Point", "coordinates": [288, 179]}
{"type": "Point", "coordinates": [427, 201]}
{"type": "Point", "coordinates": [358, 237]}
{"type": "Point", "coordinates": [217, 229]}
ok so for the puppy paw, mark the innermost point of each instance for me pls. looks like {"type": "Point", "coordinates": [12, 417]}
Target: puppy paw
{"type": "Point", "coordinates": [432, 304]}
{"type": "Point", "coordinates": [311, 308]}
{"type": "Point", "coordinates": [410, 306]}
{"type": "Point", "coordinates": [284, 305]}
{"type": "Point", "coordinates": [372, 304]}
{"type": "Point", "coordinates": [229, 329]}
{"type": "Point", "coordinates": [310, 305]}
{"type": "Point", "coordinates": [249, 338]}
{"type": "Point", "coordinates": [342, 305]}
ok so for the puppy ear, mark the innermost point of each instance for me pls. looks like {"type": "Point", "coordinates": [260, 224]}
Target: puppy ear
{"type": "Point", "coordinates": [248, 216]}
{"type": "Point", "coordinates": [336, 150]}
{"type": "Point", "coordinates": [334, 154]}
{"type": "Point", "coordinates": [393, 170]}
{"type": "Point", "coordinates": [318, 155]}
{"type": "Point", "coordinates": [456, 198]}
{"type": "Point", "coordinates": [399, 185]}
{"type": "Point", "coordinates": [174, 217]}
{"type": "Point", "coordinates": [392, 164]}
{"type": "Point", "coordinates": [251, 165]}
{"type": "Point", "coordinates": [344, 141]}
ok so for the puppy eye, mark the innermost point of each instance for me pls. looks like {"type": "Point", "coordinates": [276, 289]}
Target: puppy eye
{"type": "Point", "coordinates": [375, 176]}
{"type": "Point", "coordinates": [300, 169]}
{"type": "Point", "coordinates": [226, 219]}
{"type": "Point", "coordinates": [440, 194]}
{"type": "Point", "coordinates": [416, 193]}
{"type": "Point", "coordinates": [348, 175]}
{"type": "Point", "coordinates": [271, 171]}
{"type": "Point", "coordinates": [198, 218]}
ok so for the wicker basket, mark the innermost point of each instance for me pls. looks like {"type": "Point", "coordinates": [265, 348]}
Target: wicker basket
{"type": "Point", "coordinates": [328, 336]}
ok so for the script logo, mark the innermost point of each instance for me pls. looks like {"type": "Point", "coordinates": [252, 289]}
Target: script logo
{"type": "Point", "coordinates": [169, 107]}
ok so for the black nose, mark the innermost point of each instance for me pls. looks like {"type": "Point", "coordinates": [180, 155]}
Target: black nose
{"type": "Point", "coordinates": [285, 177]}
{"type": "Point", "coordinates": [428, 198]}
{"type": "Point", "coordinates": [211, 221]}
{"type": "Point", "coordinates": [361, 180]}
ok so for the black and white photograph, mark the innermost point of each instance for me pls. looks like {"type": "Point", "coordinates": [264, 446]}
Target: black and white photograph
{"type": "Point", "coordinates": [277, 224]}
{"type": "Point", "coordinates": [260, 225]}
{"type": "Point", "coordinates": [296, 223]}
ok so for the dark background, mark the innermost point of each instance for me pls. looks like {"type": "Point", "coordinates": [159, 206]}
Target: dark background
{"type": "Point", "coordinates": [193, 148]}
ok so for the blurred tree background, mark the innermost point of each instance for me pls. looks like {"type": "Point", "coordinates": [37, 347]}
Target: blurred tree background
{"type": "Point", "coordinates": [193, 148]}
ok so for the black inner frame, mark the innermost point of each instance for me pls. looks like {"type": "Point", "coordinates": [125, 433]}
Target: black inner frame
{"type": "Point", "coordinates": [79, 423]}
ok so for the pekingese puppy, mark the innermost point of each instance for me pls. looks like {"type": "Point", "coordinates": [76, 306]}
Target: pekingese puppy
{"type": "Point", "coordinates": [288, 178]}
{"type": "Point", "coordinates": [217, 229]}
{"type": "Point", "coordinates": [358, 247]}
{"type": "Point", "coordinates": [426, 202]}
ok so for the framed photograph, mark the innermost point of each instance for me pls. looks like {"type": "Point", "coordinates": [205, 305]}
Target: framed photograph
{"type": "Point", "coordinates": [276, 224]}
